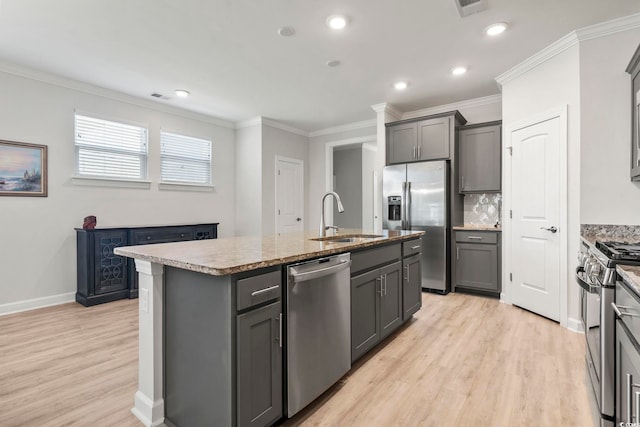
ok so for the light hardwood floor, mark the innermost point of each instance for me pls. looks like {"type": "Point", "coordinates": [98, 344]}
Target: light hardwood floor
{"type": "Point", "coordinates": [462, 361]}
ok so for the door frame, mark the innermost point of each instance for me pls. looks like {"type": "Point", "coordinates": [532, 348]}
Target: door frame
{"type": "Point", "coordinates": [559, 112]}
{"type": "Point", "coordinates": [279, 158]}
{"type": "Point", "coordinates": [328, 167]}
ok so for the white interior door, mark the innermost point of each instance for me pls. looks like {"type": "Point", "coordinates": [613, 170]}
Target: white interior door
{"type": "Point", "coordinates": [535, 195]}
{"type": "Point", "coordinates": [289, 195]}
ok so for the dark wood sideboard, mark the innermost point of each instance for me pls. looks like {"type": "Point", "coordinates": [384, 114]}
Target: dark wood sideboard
{"type": "Point", "coordinates": [104, 276]}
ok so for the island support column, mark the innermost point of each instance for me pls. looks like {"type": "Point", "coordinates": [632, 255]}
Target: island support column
{"type": "Point", "coordinates": [149, 401]}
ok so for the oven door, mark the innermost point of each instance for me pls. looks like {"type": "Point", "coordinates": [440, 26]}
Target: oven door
{"type": "Point", "coordinates": [591, 298]}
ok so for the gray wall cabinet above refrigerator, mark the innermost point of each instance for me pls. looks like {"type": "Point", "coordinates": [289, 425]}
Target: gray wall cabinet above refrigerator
{"type": "Point", "coordinates": [634, 70]}
{"type": "Point", "coordinates": [480, 158]}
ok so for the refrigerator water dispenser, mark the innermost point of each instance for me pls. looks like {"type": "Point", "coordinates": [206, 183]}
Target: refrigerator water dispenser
{"type": "Point", "coordinates": [394, 202]}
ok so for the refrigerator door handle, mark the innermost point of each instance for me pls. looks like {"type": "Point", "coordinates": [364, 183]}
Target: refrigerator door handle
{"type": "Point", "coordinates": [408, 206]}
{"type": "Point", "coordinates": [403, 206]}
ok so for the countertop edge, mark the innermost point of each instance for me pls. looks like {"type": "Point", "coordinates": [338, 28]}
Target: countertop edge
{"type": "Point", "coordinates": [631, 276]}
{"type": "Point", "coordinates": [338, 248]}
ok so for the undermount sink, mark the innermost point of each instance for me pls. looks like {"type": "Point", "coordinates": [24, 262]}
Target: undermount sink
{"type": "Point", "coordinates": [348, 238]}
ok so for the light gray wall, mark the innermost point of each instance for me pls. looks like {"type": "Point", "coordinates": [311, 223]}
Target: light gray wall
{"type": "Point", "coordinates": [607, 195]}
{"type": "Point", "coordinates": [369, 153]}
{"type": "Point", "coordinates": [347, 170]}
{"type": "Point", "coordinates": [278, 142]}
{"type": "Point", "coordinates": [248, 174]}
{"type": "Point", "coordinates": [38, 243]}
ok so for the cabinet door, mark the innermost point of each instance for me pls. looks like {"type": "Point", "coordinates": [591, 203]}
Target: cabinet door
{"type": "Point", "coordinates": [635, 127]}
{"type": "Point", "coordinates": [402, 143]}
{"type": "Point", "coordinates": [259, 367]}
{"type": "Point", "coordinates": [434, 139]}
{"type": "Point", "coordinates": [477, 266]}
{"type": "Point", "coordinates": [110, 272]}
{"type": "Point", "coordinates": [627, 378]}
{"type": "Point", "coordinates": [411, 286]}
{"type": "Point", "coordinates": [390, 298]}
{"type": "Point", "coordinates": [365, 292]}
{"type": "Point", "coordinates": [480, 159]}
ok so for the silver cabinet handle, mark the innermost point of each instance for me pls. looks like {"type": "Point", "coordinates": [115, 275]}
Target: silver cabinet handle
{"type": "Point", "coordinates": [475, 237]}
{"type": "Point", "coordinates": [620, 313]}
{"type": "Point", "coordinates": [264, 291]}
{"type": "Point", "coordinates": [551, 229]}
{"type": "Point", "coordinates": [279, 320]}
{"type": "Point", "coordinates": [406, 269]}
{"type": "Point", "coordinates": [380, 280]}
{"type": "Point", "coordinates": [415, 247]}
{"type": "Point", "coordinates": [419, 151]}
{"type": "Point", "coordinates": [457, 253]}
{"type": "Point", "coordinates": [385, 285]}
{"type": "Point", "coordinates": [415, 151]}
{"type": "Point", "coordinates": [629, 381]}
{"type": "Point", "coordinates": [462, 183]}
{"type": "Point", "coordinates": [637, 399]}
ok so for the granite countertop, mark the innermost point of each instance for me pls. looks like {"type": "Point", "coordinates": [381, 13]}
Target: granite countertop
{"type": "Point", "coordinates": [230, 255]}
{"type": "Point", "coordinates": [630, 275]}
{"type": "Point", "coordinates": [477, 227]}
{"type": "Point", "coordinates": [607, 232]}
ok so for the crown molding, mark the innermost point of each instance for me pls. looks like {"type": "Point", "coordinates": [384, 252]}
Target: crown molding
{"type": "Point", "coordinates": [461, 105]}
{"type": "Point", "coordinates": [572, 39]}
{"type": "Point", "coordinates": [385, 107]}
{"type": "Point", "coordinates": [343, 128]}
{"type": "Point", "coordinates": [249, 123]}
{"type": "Point", "coordinates": [90, 89]}
{"type": "Point", "coordinates": [286, 128]}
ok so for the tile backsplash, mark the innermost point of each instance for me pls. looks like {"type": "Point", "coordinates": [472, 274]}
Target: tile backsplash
{"type": "Point", "coordinates": [482, 209]}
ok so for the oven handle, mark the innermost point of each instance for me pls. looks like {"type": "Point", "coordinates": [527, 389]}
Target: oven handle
{"type": "Point", "coordinates": [592, 289]}
{"type": "Point", "coordinates": [620, 314]}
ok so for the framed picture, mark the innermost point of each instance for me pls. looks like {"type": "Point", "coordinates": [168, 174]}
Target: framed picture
{"type": "Point", "coordinates": [23, 169]}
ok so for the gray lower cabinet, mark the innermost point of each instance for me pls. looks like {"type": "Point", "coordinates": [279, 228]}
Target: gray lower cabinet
{"type": "Point", "coordinates": [411, 286]}
{"type": "Point", "coordinates": [390, 298]}
{"type": "Point", "coordinates": [477, 261]}
{"type": "Point", "coordinates": [627, 378]}
{"type": "Point", "coordinates": [480, 159]}
{"type": "Point", "coordinates": [259, 366]}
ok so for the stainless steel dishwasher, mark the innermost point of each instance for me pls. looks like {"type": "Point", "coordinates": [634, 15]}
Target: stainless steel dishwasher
{"type": "Point", "coordinates": [318, 328]}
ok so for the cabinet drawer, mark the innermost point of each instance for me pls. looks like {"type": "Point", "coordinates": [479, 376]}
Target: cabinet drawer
{"type": "Point", "coordinates": [162, 235]}
{"type": "Point", "coordinates": [370, 258]}
{"type": "Point", "coordinates": [477, 237]}
{"type": "Point", "coordinates": [258, 289]}
{"type": "Point", "coordinates": [411, 247]}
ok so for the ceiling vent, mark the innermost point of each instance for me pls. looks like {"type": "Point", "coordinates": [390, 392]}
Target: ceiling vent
{"type": "Point", "coordinates": [160, 96]}
{"type": "Point", "coordinates": [467, 7]}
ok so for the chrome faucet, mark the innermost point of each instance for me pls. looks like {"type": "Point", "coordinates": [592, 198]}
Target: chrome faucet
{"type": "Point", "coordinates": [323, 228]}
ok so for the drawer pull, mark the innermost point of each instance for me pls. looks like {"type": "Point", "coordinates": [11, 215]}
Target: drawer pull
{"type": "Point", "coordinates": [264, 291]}
{"type": "Point", "coordinates": [475, 237]}
{"type": "Point", "coordinates": [181, 234]}
{"type": "Point", "coordinates": [148, 237]}
{"type": "Point", "coordinates": [415, 247]}
{"type": "Point", "coordinates": [620, 314]}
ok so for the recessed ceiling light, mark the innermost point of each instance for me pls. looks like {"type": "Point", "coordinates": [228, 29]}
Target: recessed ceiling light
{"type": "Point", "coordinates": [286, 31]}
{"type": "Point", "coordinates": [401, 85]}
{"type": "Point", "coordinates": [495, 29]}
{"type": "Point", "coordinates": [181, 93]}
{"type": "Point", "coordinates": [458, 71]}
{"type": "Point", "coordinates": [333, 63]}
{"type": "Point", "coordinates": [337, 22]}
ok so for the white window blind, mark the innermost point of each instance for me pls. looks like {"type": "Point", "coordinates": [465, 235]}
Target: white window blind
{"type": "Point", "coordinates": [185, 159]}
{"type": "Point", "coordinates": [106, 149]}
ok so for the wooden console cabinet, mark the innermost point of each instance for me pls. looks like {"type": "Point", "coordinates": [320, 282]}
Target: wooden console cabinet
{"type": "Point", "coordinates": [104, 276]}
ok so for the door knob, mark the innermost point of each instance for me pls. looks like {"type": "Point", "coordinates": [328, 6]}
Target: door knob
{"type": "Point", "coordinates": [551, 229]}
{"type": "Point", "coordinates": [298, 219]}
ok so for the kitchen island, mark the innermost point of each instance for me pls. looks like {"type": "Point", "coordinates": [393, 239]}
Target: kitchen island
{"type": "Point", "coordinates": [210, 313]}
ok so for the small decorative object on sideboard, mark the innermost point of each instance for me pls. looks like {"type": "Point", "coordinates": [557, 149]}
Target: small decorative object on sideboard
{"type": "Point", "coordinates": [23, 169]}
{"type": "Point", "coordinates": [89, 222]}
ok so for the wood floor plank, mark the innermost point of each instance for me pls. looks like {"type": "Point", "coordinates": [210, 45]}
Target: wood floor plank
{"type": "Point", "coordinates": [462, 360]}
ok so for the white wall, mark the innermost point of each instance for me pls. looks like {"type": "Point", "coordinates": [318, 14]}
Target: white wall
{"type": "Point", "coordinates": [552, 84]}
{"type": "Point", "coordinates": [369, 153]}
{"type": "Point", "coordinates": [38, 247]}
{"type": "Point", "coordinates": [607, 195]}
{"type": "Point", "coordinates": [248, 175]}
{"type": "Point", "coordinates": [347, 170]}
{"type": "Point", "coordinates": [278, 142]}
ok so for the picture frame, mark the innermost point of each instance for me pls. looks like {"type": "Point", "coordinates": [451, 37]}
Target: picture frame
{"type": "Point", "coordinates": [23, 169]}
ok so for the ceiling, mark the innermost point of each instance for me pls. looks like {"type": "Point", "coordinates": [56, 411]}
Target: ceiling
{"type": "Point", "coordinates": [228, 54]}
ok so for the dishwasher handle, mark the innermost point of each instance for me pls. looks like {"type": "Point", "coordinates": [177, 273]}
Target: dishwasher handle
{"type": "Point", "coordinates": [320, 272]}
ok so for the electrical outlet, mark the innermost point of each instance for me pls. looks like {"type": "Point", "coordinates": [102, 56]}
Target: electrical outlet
{"type": "Point", "coordinates": [144, 300]}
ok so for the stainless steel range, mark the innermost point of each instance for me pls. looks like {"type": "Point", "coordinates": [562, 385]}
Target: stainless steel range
{"type": "Point", "coordinates": [596, 275]}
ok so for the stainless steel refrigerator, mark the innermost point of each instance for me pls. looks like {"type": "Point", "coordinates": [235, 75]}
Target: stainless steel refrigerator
{"type": "Point", "coordinates": [415, 197]}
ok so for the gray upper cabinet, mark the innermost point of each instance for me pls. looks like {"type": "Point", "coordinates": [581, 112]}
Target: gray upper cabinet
{"type": "Point", "coordinates": [480, 159]}
{"type": "Point", "coordinates": [634, 70]}
{"type": "Point", "coordinates": [422, 139]}
{"type": "Point", "coordinates": [433, 139]}
{"type": "Point", "coordinates": [402, 143]}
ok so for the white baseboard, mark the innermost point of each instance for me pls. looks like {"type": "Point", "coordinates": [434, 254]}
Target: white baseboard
{"type": "Point", "coordinates": [32, 304]}
{"type": "Point", "coordinates": [574, 325]}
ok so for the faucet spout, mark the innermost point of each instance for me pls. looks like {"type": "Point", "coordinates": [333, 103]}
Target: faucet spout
{"type": "Point", "coordinates": [323, 227]}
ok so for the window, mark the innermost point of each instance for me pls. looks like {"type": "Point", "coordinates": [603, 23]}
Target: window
{"type": "Point", "coordinates": [184, 159]}
{"type": "Point", "coordinates": [106, 149]}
